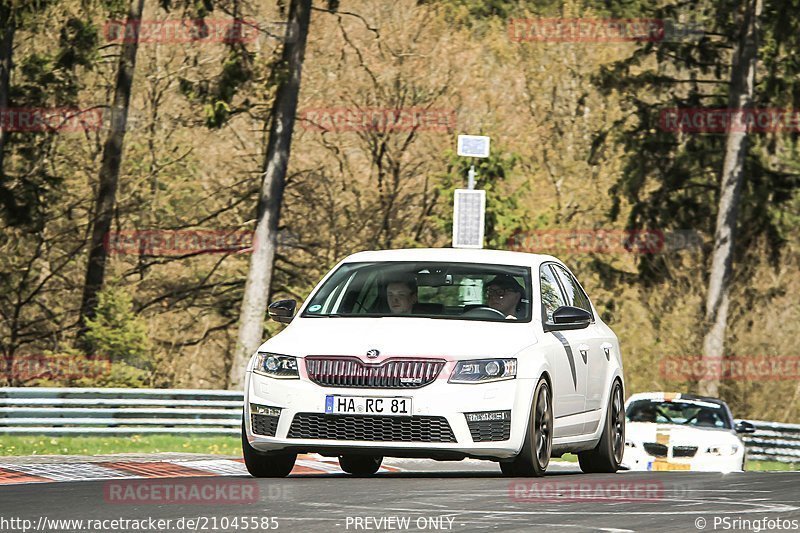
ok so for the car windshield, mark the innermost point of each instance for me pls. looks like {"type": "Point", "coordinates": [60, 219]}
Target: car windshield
{"type": "Point", "coordinates": [682, 412]}
{"type": "Point", "coordinates": [465, 291]}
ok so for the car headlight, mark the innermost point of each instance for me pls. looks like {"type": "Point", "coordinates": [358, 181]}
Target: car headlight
{"type": "Point", "coordinates": [484, 370]}
{"type": "Point", "coordinates": [276, 366]}
{"type": "Point", "coordinates": [725, 449]}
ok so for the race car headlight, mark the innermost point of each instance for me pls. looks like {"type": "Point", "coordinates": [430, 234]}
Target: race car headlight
{"type": "Point", "coordinates": [725, 449]}
{"type": "Point", "coordinates": [484, 370]}
{"type": "Point", "coordinates": [276, 366]}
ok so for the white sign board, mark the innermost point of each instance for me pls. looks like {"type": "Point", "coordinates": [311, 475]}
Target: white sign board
{"type": "Point", "coordinates": [469, 208]}
{"type": "Point", "coordinates": [473, 146]}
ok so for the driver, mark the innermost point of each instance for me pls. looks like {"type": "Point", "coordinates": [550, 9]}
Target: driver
{"type": "Point", "coordinates": [706, 419]}
{"type": "Point", "coordinates": [401, 295]}
{"type": "Point", "coordinates": [504, 294]}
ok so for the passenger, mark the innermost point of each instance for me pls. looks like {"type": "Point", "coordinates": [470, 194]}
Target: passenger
{"type": "Point", "coordinates": [504, 294]}
{"type": "Point", "coordinates": [645, 414]}
{"type": "Point", "coordinates": [401, 295]}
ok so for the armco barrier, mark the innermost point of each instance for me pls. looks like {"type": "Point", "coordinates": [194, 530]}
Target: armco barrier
{"type": "Point", "coordinates": [90, 411]}
{"type": "Point", "coordinates": [774, 441]}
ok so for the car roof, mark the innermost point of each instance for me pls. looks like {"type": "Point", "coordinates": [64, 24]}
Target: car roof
{"type": "Point", "coordinates": [457, 255]}
{"type": "Point", "coordinates": [670, 396]}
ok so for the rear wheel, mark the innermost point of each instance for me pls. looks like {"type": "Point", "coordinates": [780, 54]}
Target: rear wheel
{"type": "Point", "coordinates": [534, 457]}
{"type": "Point", "coordinates": [607, 455]}
{"type": "Point", "coordinates": [360, 465]}
{"type": "Point", "coordinates": [263, 464]}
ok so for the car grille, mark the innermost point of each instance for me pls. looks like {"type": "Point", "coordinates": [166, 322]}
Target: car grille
{"type": "Point", "coordinates": [264, 425]}
{"type": "Point", "coordinates": [371, 428]}
{"type": "Point", "coordinates": [657, 450]}
{"type": "Point", "coordinates": [661, 450]}
{"type": "Point", "coordinates": [490, 430]}
{"type": "Point", "coordinates": [391, 374]}
{"type": "Point", "coordinates": [684, 451]}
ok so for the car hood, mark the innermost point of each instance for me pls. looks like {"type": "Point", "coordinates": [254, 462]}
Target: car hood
{"type": "Point", "coordinates": [678, 435]}
{"type": "Point", "coordinates": [401, 336]}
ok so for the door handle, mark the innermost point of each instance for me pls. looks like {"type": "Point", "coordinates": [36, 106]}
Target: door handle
{"type": "Point", "coordinates": [584, 349]}
{"type": "Point", "coordinates": [606, 346]}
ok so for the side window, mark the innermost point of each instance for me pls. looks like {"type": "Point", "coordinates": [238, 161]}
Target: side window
{"type": "Point", "coordinates": [575, 295]}
{"type": "Point", "coordinates": [551, 294]}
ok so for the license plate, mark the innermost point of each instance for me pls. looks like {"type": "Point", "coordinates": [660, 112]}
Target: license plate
{"type": "Point", "coordinates": [663, 466]}
{"type": "Point", "coordinates": [365, 405]}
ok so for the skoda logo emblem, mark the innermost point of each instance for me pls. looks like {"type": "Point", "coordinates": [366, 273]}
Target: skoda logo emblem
{"type": "Point", "coordinates": [373, 354]}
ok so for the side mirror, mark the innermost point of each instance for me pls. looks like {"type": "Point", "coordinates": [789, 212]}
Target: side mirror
{"type": "Point", "coordinates": [568, 317]}
{"type": "Point", "coordinates": [282, 311]}
{"type": "Point", "coordinates": [744, 427]}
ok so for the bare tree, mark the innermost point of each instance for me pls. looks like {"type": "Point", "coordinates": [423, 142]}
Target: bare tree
{"type": "Point", "coordinates": [740, 98]}
{"type": "Point", "coordinates": [284, 108]}
{"type": "Point", "coordinates": [109, 170]}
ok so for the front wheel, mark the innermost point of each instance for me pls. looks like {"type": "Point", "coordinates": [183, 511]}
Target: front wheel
{"type": "Point", "coordinates": [360, 465]}
{"type": "Point", "coordinates": [534, 457]}
{"type": "Point", "coordinates": [607, 455]}
{"type": "Point", "coordinates": [261, 464]}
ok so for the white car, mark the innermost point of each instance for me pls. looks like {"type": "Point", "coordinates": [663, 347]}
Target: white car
{"type": "Point", "coordinates": [438, 353]}
{"type": "Point", "coordinates": [671, 431]}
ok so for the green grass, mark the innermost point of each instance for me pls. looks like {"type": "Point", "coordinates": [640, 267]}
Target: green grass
{"type": "Point", "coordinates": [45, 445]}
{"type": "Point", "coordinates": [768, 466]}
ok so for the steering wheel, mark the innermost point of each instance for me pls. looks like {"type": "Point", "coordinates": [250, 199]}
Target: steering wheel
{"type": "Point", "coordinates": [484, 311]}
{"type": "Point", "coordinates": [665, 415]}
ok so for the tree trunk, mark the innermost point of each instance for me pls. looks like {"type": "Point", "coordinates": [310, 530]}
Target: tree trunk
{"type": "Point", "coordinates": [740, 97]}
{"type": "Point", "coordinates": [7, 28]}
{"type": "Point", "coordinates": [259, 277]}
{"type": "Point", "coordinates": [109, 170]}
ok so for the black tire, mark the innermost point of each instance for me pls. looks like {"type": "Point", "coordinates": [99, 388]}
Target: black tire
{"type": "Point", "coordinates": [360, 465]}
{"type": "Point", "coordinates": [262, 464]}
{"type": "Point", "coordinates": [607, 455]}
{"type": "Point", "coordinates": [534, 457]}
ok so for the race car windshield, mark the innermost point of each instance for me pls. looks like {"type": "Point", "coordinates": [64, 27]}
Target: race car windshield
{"type": "Point", "coordinates": [461, 291]}
{"type": "Point", "coordinates": [684, 413]}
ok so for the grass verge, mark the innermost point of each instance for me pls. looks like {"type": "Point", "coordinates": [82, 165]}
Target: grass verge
{"type": "Point", "coordinates": [46, 445]}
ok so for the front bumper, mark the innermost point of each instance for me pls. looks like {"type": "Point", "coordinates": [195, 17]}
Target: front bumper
{"type": "Point", "coordinates": [445, 402]}
{"type": "Point", "coordinates": [639, 460]}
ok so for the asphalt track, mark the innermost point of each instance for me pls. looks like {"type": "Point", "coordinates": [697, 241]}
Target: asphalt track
{"type": "Point", "coordinates": [430, 496]}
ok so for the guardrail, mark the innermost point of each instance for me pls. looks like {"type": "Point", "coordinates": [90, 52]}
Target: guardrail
{"type": "Point", "coordinates": [773, 441]}
{"type": "Point", "coordinates": [95, 411]}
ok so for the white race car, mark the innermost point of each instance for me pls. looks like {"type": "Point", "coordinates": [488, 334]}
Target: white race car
{"type": "Point", "coordinates": [438, 353]}
{"type": "Point", "coordinates": [671, 431]}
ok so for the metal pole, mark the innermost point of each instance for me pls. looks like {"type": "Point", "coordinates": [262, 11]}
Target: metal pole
{"type": "Point", "coordinates": [471, 176]}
